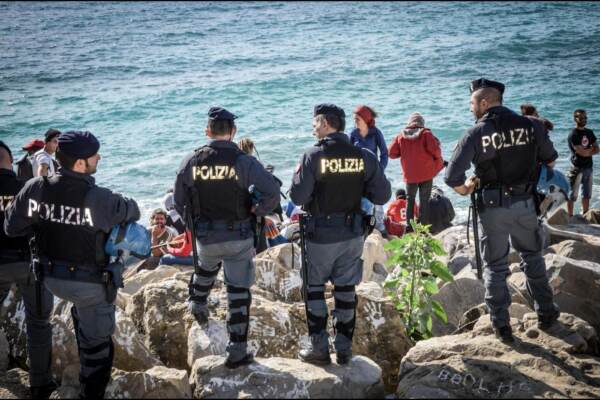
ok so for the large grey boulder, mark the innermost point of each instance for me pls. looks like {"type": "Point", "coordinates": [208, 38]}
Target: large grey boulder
{"type": "Point", "coordinates": [576, 250]}
{"type": "Point", "coordinates": [160, 313]}
{"type": "Point", "coordinates": [155, 383]}
{"type": "Point", "coordinates": [374, 255]}
{"type": "Point", "coordinates": [560, 363]}
{"type": "Point", "coordinates": [457, 297]}
{"type": "Point", "coordinates": [286, 379]}
{"type": "Point", "coordinates": [278, 272]}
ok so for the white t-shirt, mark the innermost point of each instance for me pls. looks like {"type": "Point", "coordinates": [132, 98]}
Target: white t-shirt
{"type": "Point", "coordinates": [42, 157]}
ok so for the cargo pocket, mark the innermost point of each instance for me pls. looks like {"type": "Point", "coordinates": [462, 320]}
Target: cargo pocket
{"type": "Point", "coordinates": [105, 320]}
{"type": "Point", "coordinates": [531, 234]}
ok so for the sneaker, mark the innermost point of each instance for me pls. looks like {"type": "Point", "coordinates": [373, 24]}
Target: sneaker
{"type": "Point", "coordinates": [504, 334]}
{"type": "Point", "coordinates": [43, 392]}
{"type": "Point", "coordinates": [247, 359]}
{"type": "Point", "coordinates": [314, 357]}
{"type": "Point", "coordinates": [344, 358]}
{"type": "Point", "coordinates": [545, 322]}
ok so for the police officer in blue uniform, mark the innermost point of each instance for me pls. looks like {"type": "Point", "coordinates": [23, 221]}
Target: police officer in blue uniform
{"type": "Point", "coordinates": [505, 149]}
{"type": "Point", "coordinates": [14, 268]}
{"type": "Point", "coordinates": [212, 193]}
{"type": "Point", "coordinates": [71, 217]}
{"type": "Point", "coordinates": [329, 183]}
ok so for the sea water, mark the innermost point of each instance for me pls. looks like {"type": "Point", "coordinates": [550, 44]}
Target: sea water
{"type": "Point", "coordinates": [141, 76]}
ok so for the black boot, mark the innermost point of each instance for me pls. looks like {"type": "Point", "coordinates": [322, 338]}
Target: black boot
{"type": "Point", "coordinates": [43, 392]}
{"type": "Point", "coordinates": [344, 358]}
{"type": "Point", "coordinates": [545, 322]}
{"type": "Point", "coordinates": [247, 359]}
{"type": "Point", "coordinates": [504, 334]}
{"type": "Point", "coordinates": [312, 356]}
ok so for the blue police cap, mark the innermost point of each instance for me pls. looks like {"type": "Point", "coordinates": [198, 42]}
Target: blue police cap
{"type": "Point", "coordinates": [219, 113]}
{"type": "Point", "coordinates": [78, 144]}
{"type": "Point", "coordinates": [486, 83]}
{"type": "Point", "coordinates": [326, 108]}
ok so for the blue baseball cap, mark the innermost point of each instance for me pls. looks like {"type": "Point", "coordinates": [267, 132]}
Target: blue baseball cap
{"type": "Point", "coordinates": [78, 144]}
{"type": "Point", "coordinates": [219, 113]}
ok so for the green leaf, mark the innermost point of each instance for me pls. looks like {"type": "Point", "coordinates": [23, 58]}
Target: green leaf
{"type": "Point", "coordinates": [391, 283]}
{"type": "Point", "coordinates": [438, 311]}
{"type": "Point", "coordinates": [441, 271]}
{"type": "Point", "coordinates": [430, 286]}
{"type": "Point", "coordinates": [436, 247]}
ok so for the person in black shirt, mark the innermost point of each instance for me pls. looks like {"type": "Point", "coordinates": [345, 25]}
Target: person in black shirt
{"type": "Point", "coordinates": [583, 145]}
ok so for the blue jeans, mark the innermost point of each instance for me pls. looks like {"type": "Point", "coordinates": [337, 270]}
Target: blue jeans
{"type": "Point", "coordinates": [169, 259]}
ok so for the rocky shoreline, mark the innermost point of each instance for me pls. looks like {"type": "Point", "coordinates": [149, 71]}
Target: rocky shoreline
{"type": "Point", "coordinates": [160, 351]}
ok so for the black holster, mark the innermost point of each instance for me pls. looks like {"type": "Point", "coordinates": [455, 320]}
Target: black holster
{"type": "Point", "coordinates": [111, 288]}
{"type": "Point", "coordinates": [38, 274]}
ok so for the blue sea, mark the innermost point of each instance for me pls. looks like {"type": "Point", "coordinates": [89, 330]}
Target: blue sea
{"type": "Point", "coordinates": [141, 76]}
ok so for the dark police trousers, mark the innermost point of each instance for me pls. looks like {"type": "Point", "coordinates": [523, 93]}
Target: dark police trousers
{"type": "Point", "coordinates": [340, 263]}
{"type": "Point", "coordinates": [39, 331]}
{"type": "Point", "coordinates": [94, 323]}
{"type": "Point", "coordinates": [519, 223]}
{"type": "Point", "coordinates": [236, 256]}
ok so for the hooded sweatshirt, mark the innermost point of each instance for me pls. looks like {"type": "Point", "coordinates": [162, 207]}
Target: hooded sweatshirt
{"type": "Point", "coordinates": [419, 152]}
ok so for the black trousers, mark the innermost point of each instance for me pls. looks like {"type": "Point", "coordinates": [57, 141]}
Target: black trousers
{"type": "Point", "coordinates": [424, 189]}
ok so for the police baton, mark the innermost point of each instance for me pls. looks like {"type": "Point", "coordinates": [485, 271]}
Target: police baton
{"type": "Point", "coordinates": [36, 269]}
{"type": "Point", "coordinates": [476, 235]}
{"type": "Point", "coordinates": [190, 223]}
{"type": "Point", "coordinates": [303, 256]}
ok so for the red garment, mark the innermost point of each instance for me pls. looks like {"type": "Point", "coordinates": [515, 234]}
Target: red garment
{"type": "Point", "coordinates": [395, 221]}
{"type": "Point", "coordinates": [420, 155]}
{"type": "Point", "coordinates": [366, 115]}
{"type": "Point", "coordinates": [182, 250]}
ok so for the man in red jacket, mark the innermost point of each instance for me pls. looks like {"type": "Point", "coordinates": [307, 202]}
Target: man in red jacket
{"type": "Point", "coordinates": [421, 159]}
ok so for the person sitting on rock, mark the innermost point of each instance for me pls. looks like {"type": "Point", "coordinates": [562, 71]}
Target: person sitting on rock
{"type": "Point", "coordinates": [441, 212]}
{"type": "Point", "coordinates": [395, 220]}
{"type": "Point", "coordinates": [161, 235]}
{"type": "Point", "coordinates": [179, 251]}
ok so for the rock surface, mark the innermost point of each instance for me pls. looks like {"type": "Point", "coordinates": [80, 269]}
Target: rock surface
{"type": "Point", "coordinates": [373, 254]}
{"type": "Point", "coordinates": [286, 378]}
{"type": "Point", "coordinates": [457, 297]}
{"type": "Point", "coordinates": [156, 383]}
{"type": "Point", "coordinates": [278, 272]}
{"type": "Point", "coordinates": [561, 363]}
{"type": "Point", "coordinates": [14, 384]}
{"type": "Point", "coordinates": [576, 250]}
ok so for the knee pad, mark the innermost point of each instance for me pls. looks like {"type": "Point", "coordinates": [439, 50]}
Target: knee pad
{"type": "Point", "coordinates": [340, 294]}
{"type": "Point", "coordinates": [199, 293]}
{"type": "Point", "coordinates": [238, 299]}
{"type": "Point", "coordinates": [316, 297]}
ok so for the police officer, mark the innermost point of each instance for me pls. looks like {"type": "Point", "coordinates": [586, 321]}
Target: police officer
{"type": "Point", "coordinates": [212, 190]}
{"type": "Point", "coordinates": [71, 217]}
{"type": "Point", "coordinates": [505, 149]}
{"type": "Point", "coordinates": [14, 268]}
{"type": "Point", "coordinates": [329, 183]}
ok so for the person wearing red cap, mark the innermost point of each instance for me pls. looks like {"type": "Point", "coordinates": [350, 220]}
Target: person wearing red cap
{"type": "Point", "coordinates": [367, 136]}
{"type": "Point", "coordinates": [24, 164]}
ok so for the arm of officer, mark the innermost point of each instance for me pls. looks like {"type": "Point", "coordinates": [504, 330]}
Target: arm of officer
{"type": "Point", "coordinates": [377, 188]}
{"type": "Point", "coordinates": [182, 182]}
{"type": "Point", "coordinates": [22, 213]}
{"type": "Point", "coordinates": [264, 182]}
{"type": "Point", "coordinates": [546, 151]}
{"type": "Point", "coordinates": [303, 181]}
{"type": "Point", "coordinates": [112, 208]}
{"type": "Point", "coordinates": [463, 155]}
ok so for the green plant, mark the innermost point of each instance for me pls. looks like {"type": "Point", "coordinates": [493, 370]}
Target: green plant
{"type": "Point", "coordinates": [415, 274]}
